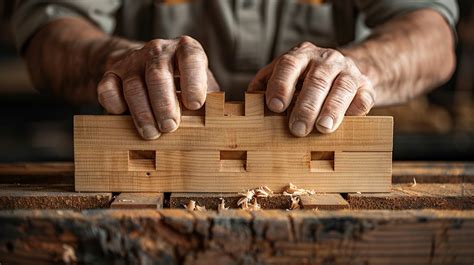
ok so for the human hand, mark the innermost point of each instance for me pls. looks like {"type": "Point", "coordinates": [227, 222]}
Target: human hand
{"type": "Point", "coordinates": [142, 80]}
{"type": "Point", "coordinates": [332, 86]}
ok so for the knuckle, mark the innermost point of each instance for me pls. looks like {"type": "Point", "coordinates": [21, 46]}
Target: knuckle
{"type": "Point", "coordinates": [143, 115]}
{"type": "Point", "coordinates": [306, 45]}
{"type": "Point", "coordinates": [187, 40]}
{"type": "Point", "coordinates": [308, 108]}
{"type": "Point", "coordinates": [289, 61]}
{"type": "Point", "coordinates": [332, 55]}
{"type": "Point", "coordinates": [158, 77]}
{"type": "Point", "coordinates": [317, 82]}
{"type": "Point", "coordinates": [155, 47]}
{"type": "Point", "coordinates": [164, 106]}
{"type": "Point", "coordinates": [346, 83]}
{"type": "Point", "coordinates": [278, 88]}
{"type": "Point", "coordinates": [362, 104]}
{"type": "Point", "coordinates": [133, 87]}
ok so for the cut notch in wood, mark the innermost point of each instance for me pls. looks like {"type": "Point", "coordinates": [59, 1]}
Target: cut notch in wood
{"type": "Point", "coordinates": [141, 160]}
{"type": "Point", "coordinates": [233, 161]}
{"type": "Point", "coordinates": [234, 108]}
{"type": "Point", "coordinates": [322, 161]}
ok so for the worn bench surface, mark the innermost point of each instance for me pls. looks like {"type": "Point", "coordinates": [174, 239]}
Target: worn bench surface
{"type": "Point", "coordinates": [38, 224]}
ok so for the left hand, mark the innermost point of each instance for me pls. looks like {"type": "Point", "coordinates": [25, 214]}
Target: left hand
{"type": "Point", "coordinates": [332, 86]}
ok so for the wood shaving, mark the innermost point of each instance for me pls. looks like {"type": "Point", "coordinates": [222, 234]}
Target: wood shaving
{"type": "Point", "coordinates": [200, 208]}
{"type": "Point", "coordinates": [191, 206]}
{"type": "Point", "coordinates": [221, 206]}
{"type": "Point", "coordinates": [246, 198]}
{"type": "Point", "coordinates": [291, 189]}
{"type": "Point", "coordinates": [69, 255]}
{"type": "Point", "coordinates": [249, 194]}
{"type": "Point", "coordinates": [254, 206]}
{"type": "Point", "coordinates": [242, 201]}
{"type": "Point", "coordinates": [413, 184]}
{"type": "Point", "coordinates": [244, 205]}
{"type": "Point", "coordinates": [263, 191]}
{"type": "Point", "coordinates": [295, 203]}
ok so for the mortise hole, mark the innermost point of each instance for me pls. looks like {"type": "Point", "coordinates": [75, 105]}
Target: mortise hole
{"type": "Point", "coordinates": [233, 161]}
{"type": "Point", "coordinates": [322, 161]}
{"type": "Point", "coordinates": [141, 160]}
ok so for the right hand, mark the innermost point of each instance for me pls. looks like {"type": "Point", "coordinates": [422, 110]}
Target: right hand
{"type": "Point", "coordinates": [141, 79]}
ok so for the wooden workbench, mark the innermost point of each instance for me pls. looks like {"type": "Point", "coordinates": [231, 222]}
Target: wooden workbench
{"type": "Point", "coordinates": [44, 221]}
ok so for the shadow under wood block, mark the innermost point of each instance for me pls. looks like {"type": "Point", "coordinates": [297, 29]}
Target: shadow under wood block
{"type": "Point", "coordinates": [235, 146]}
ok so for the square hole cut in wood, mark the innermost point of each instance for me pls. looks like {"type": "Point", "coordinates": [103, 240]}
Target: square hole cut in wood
{"type": "Point", "coordinates": [322, 161]}
{"type": "Point", "coordinates": [233, 161]}
{"type": "Point", "coordinates": [141, 160]}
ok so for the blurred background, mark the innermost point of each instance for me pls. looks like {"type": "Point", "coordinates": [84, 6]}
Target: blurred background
{"type": "Point", "coordinates": [438, 126]}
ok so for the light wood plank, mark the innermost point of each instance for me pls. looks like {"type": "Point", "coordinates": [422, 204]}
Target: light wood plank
{"type": "Point", "coordinates": [324, 201]}
{"type": "Point", "coordinates": [189, 160]}
{"type": "Point", "coordinates": [127, 200]}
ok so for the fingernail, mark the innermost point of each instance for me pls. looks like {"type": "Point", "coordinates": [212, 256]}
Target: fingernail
{"type": "Point", "coordinates": [167, 125]}
{"type": "Point", "coordinates": [194, 105]}
{"type": "Point", "coordinates": [299, 128]}
{"type": "Point", "coordinates": [326, 122]}
{"type": "Point", "coordinates": [150, 132]}
{"type": "Point", "coordinates": [276, 105]}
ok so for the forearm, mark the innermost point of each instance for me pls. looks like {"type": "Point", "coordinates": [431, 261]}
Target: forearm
{"type": "Point", "coordinates": [406, 56]}
{"type": "Point", "coordinates": [67, 57]}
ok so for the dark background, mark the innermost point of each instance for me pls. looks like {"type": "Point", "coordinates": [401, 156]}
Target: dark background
{"type": "Point", "coordinates": [438, 126]}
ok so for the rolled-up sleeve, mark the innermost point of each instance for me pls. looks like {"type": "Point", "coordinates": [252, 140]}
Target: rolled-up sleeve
{"type": "Point", "coordinates": [31, 15]}
{"type": "Point", "coordinates": [377, 12]}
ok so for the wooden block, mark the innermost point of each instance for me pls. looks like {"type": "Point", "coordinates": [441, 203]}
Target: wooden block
{"type": "Point", "coordinates": [254, 104]}
{"type": "Point", "coordinates": [215, 104]}
{"type": "Point", "coordinates": [433, 172]}
{"type": "Point", "coordinates": [324, 201]}
{"type": "Point", "coordinates": [138, 201]}
{"type": "Point", "coordinates": [407, 196]}
{"type": "Point", "coordinates": [110, 156]}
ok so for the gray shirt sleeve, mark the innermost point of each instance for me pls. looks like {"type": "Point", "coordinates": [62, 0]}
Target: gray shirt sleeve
{"type": "Point", "coordinates": [31, 15]}
{"type": "Point", "coordinates": [379, 11]}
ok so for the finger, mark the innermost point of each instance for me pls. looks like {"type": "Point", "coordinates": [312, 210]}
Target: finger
{"type": "Point", "coordinates": [212, 85]}
{"type": "Point", "coordinates": [282, 83]}
{"type": "Point", "coordinates": [162, 92]}
{"type": "Point", "coordinates": [137, 100]}
{"type": "Point", "coordinates": [192, 63]}
{"type": "Point", "coordinates": [259, 82]}
{"type": "Point", "coordinates": [316, 86]}
{"type": "Point", "coordinates": [109, 94]}
{"type": "Point", "coordinates": [337, 102]}
{"type": "Point", "coordinates": [363, 101]}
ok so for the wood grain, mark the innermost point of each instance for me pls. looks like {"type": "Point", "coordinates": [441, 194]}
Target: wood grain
{"type": "Point", "coordinates": [324, 201]}
{"type": "Point", "coordinates": [138, 201]}
{"type": "Point", "coordinates": [406, 196]}
{"type": "Point", "coordinates": [236, 237]}
{"type": "Point", "coordinates": [190, 160]}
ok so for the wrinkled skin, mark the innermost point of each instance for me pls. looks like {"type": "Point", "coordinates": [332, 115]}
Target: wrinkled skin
{"type": "Point", "coordinates": [390, 67]}
{"type": "Point", "coordinates": [143, 81]}
{"type": "Point", "coordinates": [332, 86]}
